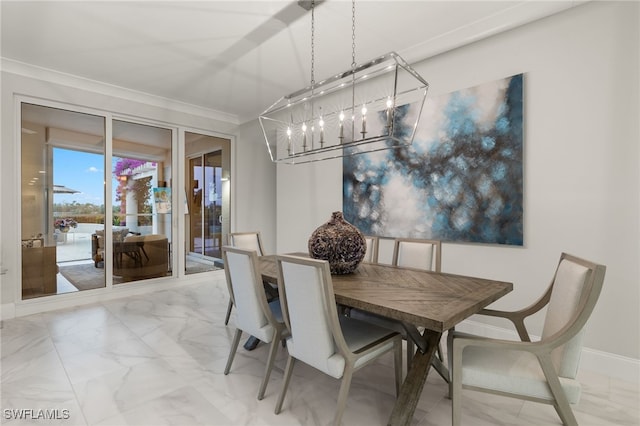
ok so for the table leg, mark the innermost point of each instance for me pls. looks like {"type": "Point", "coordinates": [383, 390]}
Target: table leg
{"type": "Point", "coordinates": [251, 343]}
{"type": "Point", "coordinates": [411, 389]}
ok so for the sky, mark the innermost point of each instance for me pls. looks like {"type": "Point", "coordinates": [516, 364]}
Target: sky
{"type": "Point", "coordinates": [83, 172]}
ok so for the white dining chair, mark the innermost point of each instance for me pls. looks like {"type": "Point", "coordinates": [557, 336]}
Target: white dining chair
{"type": "Point", "coordinates": [418, 253]}
{"type": "Point", "coordinates": [542, 371]}
{"type": "Point", "coordinates": [335, 345]}
{"type": "Point", "coordinates": [255, 315]}
{"type": "Point", "coordinates": [371, 255]}
{"type": "Point", "coordinates": [247, 241]}
{"type": "Point", "coordinates": [410, 253]}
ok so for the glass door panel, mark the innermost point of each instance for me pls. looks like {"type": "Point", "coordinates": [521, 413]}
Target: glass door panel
{"type": "Point", "coordinates": [212, 202]}
{"type": "Point", "coordinates": [62, 161]}
{"type": "Point", "coordinates": [195, 206]}
{"type": "Point", "coordinates": [142, 202]}
{"type": "Point", "coordinates": [208, 168]}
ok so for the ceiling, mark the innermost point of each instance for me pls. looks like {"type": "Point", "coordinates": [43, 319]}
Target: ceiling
{"type": "Point", "coordinates": [236, 58]}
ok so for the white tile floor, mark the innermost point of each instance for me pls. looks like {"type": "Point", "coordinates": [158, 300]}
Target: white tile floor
{"type": "Point", "coordinates": [158, 359]}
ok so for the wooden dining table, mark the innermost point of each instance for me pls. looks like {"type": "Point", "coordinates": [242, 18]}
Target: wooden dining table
{"type": "Point", "coordinates": [432, 300]}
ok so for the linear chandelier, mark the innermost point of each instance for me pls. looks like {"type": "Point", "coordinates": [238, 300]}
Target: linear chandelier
{"type": "Point", "coordinates": [371, 107]}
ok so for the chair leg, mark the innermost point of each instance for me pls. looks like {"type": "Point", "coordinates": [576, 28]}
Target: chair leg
{"type": "Point", "coordinates": [455, 386]}
{"type": "Point", "coordinates": [440, 352]}
{"type": "Point", "coordinates": [343, 394]}
{"type": "Point", "coordinates": [566, 414]}
{"type": "Point", "coordinates": [232, 352]}
{"type": "Point", "coordinates": [285, 383]}
{"type": "Point", "coordinates": [397, 364]}
{"type": "Point", "coordinates": [226, 319]}
{"type": "Point", "coordinates": [561, 403]}
{"type": "Point", "coordinates": [411, 349]}
{"type": "Point", "coordinates": [273, 350]}
{"type": "Point", "coordinates": [450, 362]}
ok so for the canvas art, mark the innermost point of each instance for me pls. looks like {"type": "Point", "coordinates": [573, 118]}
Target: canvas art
{"type": "Point", "coordinates": [162, 198]}
{"type": "Point", "coordinates": [461, 179]}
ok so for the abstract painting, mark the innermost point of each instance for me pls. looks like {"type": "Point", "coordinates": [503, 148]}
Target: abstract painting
{"type": "Point", "coordinates": [461, 179]}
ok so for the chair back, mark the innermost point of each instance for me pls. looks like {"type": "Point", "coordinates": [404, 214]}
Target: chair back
{"type": "Point", "coordinates": [417, 253]}
{"type": "Point", "coordinates": [246, 290]}
{"type": "Point", "coordinates": [247, 241]}
{"type": "Point", "coordinates": [385, 250]}
{"type": "Point", "coordinates": [305, 287]}
{"type": "Point", "coordinates": [371, 255]}
{"type": "Point", "coordinates": [572, 296]}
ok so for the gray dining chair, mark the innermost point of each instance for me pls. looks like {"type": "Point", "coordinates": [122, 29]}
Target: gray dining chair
{"type": "Point", "coordinates": [255, 315]}
{"type": "Point", "coordinates": [542, 371]}
{"type": "Point", "coordinates": [334, 344]}
{"type": "Point", "coordinates": [409, 253]}
{"type": "Point", "coordinates": [247, 241]}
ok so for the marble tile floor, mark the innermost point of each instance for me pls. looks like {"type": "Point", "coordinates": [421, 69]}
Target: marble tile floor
{"type": "Point", "coordinates": [157, 359]}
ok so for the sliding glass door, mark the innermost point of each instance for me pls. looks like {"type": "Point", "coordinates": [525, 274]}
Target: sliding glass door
{"type": "Point", "coordinates": [63, 199]}
{"type": "Point", "coordinates": [207, 200]}
{"type": "Point", "coordinates": [206, 203]}
{"type": "Point", "coordinates": [143, 201]}
{"type": "Point", "coordinates": [65, 244]}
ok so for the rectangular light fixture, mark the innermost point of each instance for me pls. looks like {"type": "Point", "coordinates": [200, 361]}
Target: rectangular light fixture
{"type": "Point", "coordinates": [371, 107]}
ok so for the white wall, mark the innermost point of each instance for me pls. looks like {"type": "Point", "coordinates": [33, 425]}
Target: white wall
{"type": "Point", "coordinates": [254, 186]}
{"type": "Point", "coordinates": [581, 181]}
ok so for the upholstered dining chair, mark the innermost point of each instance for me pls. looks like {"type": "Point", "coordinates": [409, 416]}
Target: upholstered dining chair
{"type": "Point", "coordinates": [542, 371]}
{"type": "Point", "coordinates": [255, 315]}
{"type": "Point", "coordinates": [371, 255]}
{"type": "Point", "coordinates": [247, 241]}
{"type": "Point", "coordinates": [332, 343]}
{"type": "Point", "coordinates": [409, 253]}
{"type": "Point", "coordinates": [418, 253]}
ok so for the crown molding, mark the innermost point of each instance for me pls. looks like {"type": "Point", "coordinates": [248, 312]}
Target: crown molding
{"type": "Point", "coordinates": [519, 14]}
{"type": "Point", "coordinates": [57, 77]}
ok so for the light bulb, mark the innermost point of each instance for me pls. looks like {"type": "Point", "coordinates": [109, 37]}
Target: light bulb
{"type": "Point", "coordinates": [364, 120]}
{"type": "Point", "coordinates": [389, 116]}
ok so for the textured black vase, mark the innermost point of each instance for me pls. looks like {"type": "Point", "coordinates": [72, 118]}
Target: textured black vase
{"type": "Point", "coordinates": [338, 242]}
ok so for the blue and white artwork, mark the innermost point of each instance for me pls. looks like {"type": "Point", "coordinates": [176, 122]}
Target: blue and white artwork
{"type": "Point", "coordinates": [460, 180]}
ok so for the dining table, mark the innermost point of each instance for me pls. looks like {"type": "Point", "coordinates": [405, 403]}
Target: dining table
{"type": "Point", "coordinates": [434, 301]}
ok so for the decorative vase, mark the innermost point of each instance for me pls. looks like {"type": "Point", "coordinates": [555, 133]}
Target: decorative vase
{"type": "Point", "coordinates": [64, 229]}
{"type": "Point", "coordinates": [338, 242]}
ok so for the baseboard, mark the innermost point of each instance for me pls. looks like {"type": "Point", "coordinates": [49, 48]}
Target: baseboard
{"type": "Point", "coordinates": [68, 300]}
{"type": "Point", "coordinates": [605, 363]}
{"type": "Point", "coordinates": [7, 311]}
